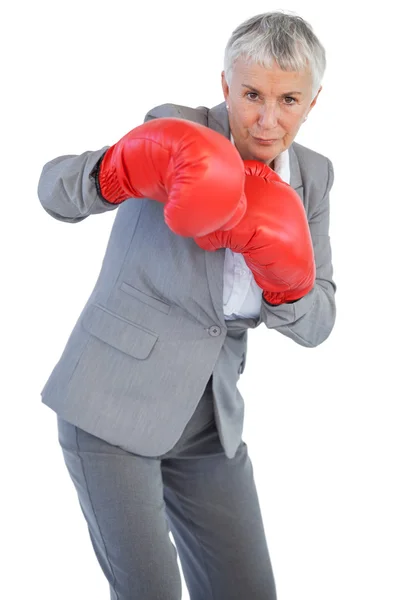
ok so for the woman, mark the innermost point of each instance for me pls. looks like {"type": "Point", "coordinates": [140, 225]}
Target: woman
{"type": "Point", "coordinates": [149, 416]}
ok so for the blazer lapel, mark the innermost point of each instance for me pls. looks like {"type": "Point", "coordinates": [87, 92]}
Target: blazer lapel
{"type": "Point", "coordinates": [296, 181]}
{"type": "Point", "coordinates": [218, 121]}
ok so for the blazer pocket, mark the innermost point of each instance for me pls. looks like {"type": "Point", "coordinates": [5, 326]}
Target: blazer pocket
{"type": "Point", "coordinates": [123, 335]}
{"type": "Point", "coordinates": [145, 298]}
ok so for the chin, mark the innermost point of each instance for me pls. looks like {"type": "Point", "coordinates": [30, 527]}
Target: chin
{"type": "Point", "coordinates": [263, 157]}
{"type": "Point", "coordinates": [267, 154]}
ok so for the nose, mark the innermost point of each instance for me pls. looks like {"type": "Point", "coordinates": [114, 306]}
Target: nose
{"type": "Point", "coordinates": [268, 116]}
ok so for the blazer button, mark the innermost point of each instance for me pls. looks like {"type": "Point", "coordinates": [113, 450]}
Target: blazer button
{"type": "Point", "coordinates": [214, 330]}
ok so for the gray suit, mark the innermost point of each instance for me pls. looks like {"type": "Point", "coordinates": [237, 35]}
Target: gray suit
{"type": "Point", "coordinates": [153, 330]}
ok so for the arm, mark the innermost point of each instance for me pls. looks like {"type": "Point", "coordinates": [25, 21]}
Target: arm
{"type": "Point", "coordinates": [194, 171]}
{"type": "Point", "coordinates": [67, 187]}
{"type": "Point", "coordinates": [310, 320]}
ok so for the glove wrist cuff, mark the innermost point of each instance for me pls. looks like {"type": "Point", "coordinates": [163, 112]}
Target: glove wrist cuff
{"type": "Point", "coordinates": [107, 181]}
{"type": "Point", "coordinates": [278, 298]}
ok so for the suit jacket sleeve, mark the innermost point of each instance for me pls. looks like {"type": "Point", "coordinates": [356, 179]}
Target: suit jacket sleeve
{"type": "Point", "coordinates": [67, 187]}
{"type": "Point", "coordinates": [310, 320]}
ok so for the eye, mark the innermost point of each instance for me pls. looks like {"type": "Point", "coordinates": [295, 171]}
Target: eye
{"type": "Point", "coordinates": [252, 94]}
{"type": "Point", "coordinates": [290, 98]}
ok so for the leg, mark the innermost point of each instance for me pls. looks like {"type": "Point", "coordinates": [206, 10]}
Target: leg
{"type": "Point", "coordinates": [215, 518]}
{"type": "Point", "coordinates": [121, 497]}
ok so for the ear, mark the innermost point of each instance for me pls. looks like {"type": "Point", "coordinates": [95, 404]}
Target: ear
{"type": "Point", "coordinates": [225, 86]}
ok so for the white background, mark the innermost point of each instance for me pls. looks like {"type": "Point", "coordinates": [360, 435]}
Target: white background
{"type": "Point", "coordinates": [321, 424]}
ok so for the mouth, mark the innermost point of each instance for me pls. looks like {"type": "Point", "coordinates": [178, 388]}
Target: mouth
{"type": "Point", "coordinates": [265, 142]}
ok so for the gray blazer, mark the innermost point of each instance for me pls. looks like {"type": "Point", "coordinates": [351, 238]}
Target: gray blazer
{"type": "Point", "coordinates": [153, 330]}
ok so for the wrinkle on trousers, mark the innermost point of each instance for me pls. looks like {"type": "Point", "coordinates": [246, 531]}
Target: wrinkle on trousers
{"type": "Point", "coordinates": [208, 502]}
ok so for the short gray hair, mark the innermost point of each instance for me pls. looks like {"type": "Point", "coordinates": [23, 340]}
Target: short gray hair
{"type": "Point", "coordinates": [277, 36]}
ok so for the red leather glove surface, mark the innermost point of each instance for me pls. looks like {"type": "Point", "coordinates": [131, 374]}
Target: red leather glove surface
{"type": "Point", "coordinates": [273, 237]}
{"type": "Point", "coordinates": [195, 171]}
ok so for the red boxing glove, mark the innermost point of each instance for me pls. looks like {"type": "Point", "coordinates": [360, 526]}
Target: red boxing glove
{"type": "Point", "coordinates": [273, 237]}
{"type": "Point", "coordinates": [195, 171]}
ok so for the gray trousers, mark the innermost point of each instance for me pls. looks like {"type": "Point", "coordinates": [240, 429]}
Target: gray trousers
{"type": "Point", "coordinates": [208, 502]}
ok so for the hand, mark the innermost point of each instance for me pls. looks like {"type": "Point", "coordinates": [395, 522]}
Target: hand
{"type": "Point", "coordinates": [273, 237]}
{"type": "Point", "coordinates": [195, 171]}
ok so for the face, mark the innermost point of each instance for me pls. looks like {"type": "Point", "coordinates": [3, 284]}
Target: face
{"type": "Point", "coordinates": [266, 108]}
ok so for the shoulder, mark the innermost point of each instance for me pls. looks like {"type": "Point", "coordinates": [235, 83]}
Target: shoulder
{"type": "Point", "coordinates": [313, 166]}
{"type": "Point", "coordinates": [308, 157]}
{"type": "Point", "coordinates": [198, 115]}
